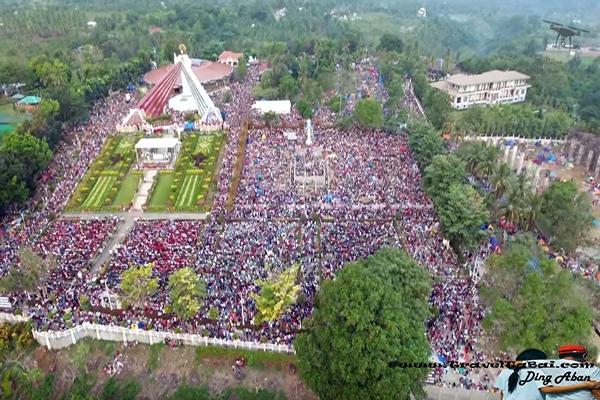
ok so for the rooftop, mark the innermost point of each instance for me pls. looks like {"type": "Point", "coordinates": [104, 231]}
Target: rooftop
{"type": "Point", "coordinates": [205, 71]}
{"type": "Point", "coordinates": [486, 77]}
{"type": "Point", "coordinates": [229, 54]}
{"type": "Point", "coordinates": [157, 143]}
{"type": "Point", "coordinates": [30, 100]}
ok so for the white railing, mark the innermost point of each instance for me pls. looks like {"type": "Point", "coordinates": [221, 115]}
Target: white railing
{"type": "Point", "coordinates": [58, 340]}
{"type": "Point", "coordinates": [5, 317]}
{"type": "Point", "coordinates": [515, 139]}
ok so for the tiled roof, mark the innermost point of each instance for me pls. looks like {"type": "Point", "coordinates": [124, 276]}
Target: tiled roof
{"type": "Point", "coordinates": [486, 77]}
{"type": "Point", "coordinates": [230, 54]}
{"type": "Point", "coordinates": [206, 71]}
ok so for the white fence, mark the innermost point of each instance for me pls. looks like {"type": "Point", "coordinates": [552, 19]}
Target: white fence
{"type": "Point", "coordinates": [5, 317]}
{"type": "Point", "coordinates": [519, 139]}
{"type": "Point", "coordinates": [59, 340]}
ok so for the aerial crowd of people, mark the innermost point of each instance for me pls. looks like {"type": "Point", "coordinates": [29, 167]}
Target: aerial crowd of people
{"type": "Point", "coordinates": [356, 181]}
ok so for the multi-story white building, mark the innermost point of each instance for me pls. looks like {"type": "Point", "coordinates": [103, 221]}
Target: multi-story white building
{"type": "Point", "coordinates": [492, 87]}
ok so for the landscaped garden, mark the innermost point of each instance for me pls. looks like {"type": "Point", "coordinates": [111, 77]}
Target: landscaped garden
{"type": "Point", "coordinates": [186, 188]}
{"type": "Point", "coordinates": [108, 185]}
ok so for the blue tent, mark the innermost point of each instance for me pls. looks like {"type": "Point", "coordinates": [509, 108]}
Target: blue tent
{"type": "Point", "coordinates": [189, 125]}
{"type": "Point", "coordinates": [260, 192]}
{"type": "Point", "coordinates": [493, 241]}
{"type": "Point", "coordinates": [132, 87]}
{"type": "Point", "coordinates": [223, 115]}
{"type": "Point", "coordinates": [538, 143]}
{"type": "Point", "coordinates": [546, 149]}
{"type": "Point", "coordinates": [263, 99]}
{"type": "Point", "coordinates": [510, 143]}
{"type": "Point", "coordinates": [552, 157]}
{"type": "Point", "coordinates": [596, 223]}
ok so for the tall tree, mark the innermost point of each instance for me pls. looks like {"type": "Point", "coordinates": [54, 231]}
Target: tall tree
{"type": "Point", "coordinates": [462, 212]}
{"type": "Point", "coordinates": [31, 274]}
{"type": "Point", "coordinates": [186, 292]}
{"type": "Point", "coordinates": [425, 141]}
{"type": "Point", "coordinates": [277, 293]}
{"type": "Point", "coordinates": [522, 319]}
{"type": "Point", "coordinates": [370, 315]}
{"type": "Point", "coordinates": [565, 215]}
{"type": "Point", "coordinates": [137, 284]}
{"type": "Point", "coordinates": [443, 172]}
{"type": "Point", "coordinates": [369, 113]}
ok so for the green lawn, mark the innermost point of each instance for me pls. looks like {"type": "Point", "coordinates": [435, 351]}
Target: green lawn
{"type": "Point", "coordinates": [99, 192]}
{"type": "Point", "coordinates": [160, 194]}
{"type": "Point", "coordinates": [127, 190]}
{"type": "Point", "coordinates": [189, 191]}
{"type": "Point", "coordinates": [7, 109]}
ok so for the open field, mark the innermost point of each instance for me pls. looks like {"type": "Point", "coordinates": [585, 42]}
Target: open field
{"type": "Point", "coordinates": [127, 190]}
{"type": "Point", "coordinates": [7, 108]}
{"type": "Point", "coordinates": [161, 372]}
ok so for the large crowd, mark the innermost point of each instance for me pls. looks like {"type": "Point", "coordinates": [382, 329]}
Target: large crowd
{"type": "Point", "coordinates": [360, 181]}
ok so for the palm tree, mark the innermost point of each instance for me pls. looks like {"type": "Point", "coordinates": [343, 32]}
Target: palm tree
{"type": "Point", "coordinates": [511, 208]}
{"type": "Point", "coordinates": [490, 160]}
{"type": "Point", "coordinates": [473, 154]}
{"type": "Point", "coordinates": [533, 209]}
{"type": "Point", "coordinates": [522, 184]}
{"type": "Point", "coordinates": [501, 179]}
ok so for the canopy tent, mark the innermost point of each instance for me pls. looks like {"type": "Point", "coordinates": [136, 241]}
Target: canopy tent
{"type": "Point", "coordinates": [277, 106]}
{"type": "Point", "coordinates": [157, 143]}
{"type": "Point", "coordinates": [18, 96]}
{"type": "Point", "coordinates": [132, 87]}
{"type": "Point", "coordinates": [189, 125]}
{"type": "Point", "coordinates": [30, 100]}
{"type": "Point", "coordinates": [159, 150]}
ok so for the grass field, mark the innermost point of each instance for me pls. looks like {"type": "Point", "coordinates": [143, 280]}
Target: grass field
{"type": "Point", "coordinates": [189, 191]}
{"type": "Point", "coordinates": [160, 194]}
{"type": "Point", "coordinates": [99, 191]}
{"type": "Point", "coordinates": [7, 108]}
{"type": "Point", "coordinates": [127, 190]}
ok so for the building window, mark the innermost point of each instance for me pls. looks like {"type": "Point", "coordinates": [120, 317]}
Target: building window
{"type": "Point", "coordinates": [458, 100]}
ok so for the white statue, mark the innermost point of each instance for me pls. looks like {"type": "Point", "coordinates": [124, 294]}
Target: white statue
{"type": "Point", "coordinates": [309, 131]}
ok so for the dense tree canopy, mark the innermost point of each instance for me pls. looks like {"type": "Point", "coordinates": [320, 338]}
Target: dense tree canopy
{"type": "Point", "coordinates": [534, 303]}
{"type": "Point", "coordinates": [372, 314]}
{"type": "Point", "coordinates": [369, 114]}
{"type": "Point", "coordinates": [565, 215]}
{"type": "Point", "coordinates": [425, 141]}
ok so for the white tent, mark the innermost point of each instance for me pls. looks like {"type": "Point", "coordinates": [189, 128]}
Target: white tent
{"type": "Point", "coordinates": [277, 106]}
{"type": "Point", "coordinates": [157, 143]}
{"type": "Point", "coordinates": [157, 149]}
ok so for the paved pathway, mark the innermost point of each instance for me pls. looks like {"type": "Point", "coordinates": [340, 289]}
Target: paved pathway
{"type": "Point", "coordinates": [141, 197]}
